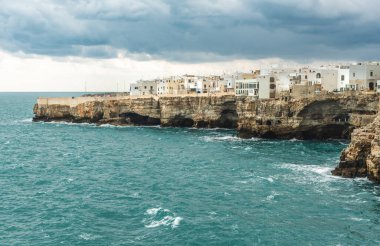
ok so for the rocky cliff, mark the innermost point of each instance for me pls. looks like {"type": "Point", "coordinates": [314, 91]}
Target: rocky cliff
{"type": "Point", "coordinates": [362, 157]}
{"type": "Point", "coordinates": [198, 111]}
{"type": "Point", "coordinates": [308, 118]}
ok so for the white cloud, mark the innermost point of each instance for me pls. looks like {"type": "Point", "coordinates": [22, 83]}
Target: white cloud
{"type": "Point", "coordinates": [21, 72]}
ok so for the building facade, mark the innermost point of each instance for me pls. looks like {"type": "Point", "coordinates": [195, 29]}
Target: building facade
{"type": "Point", "coordinates": [364, 76]}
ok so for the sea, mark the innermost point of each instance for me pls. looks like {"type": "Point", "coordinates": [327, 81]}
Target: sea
{"type": "Point", "coordinates": [82, 184]}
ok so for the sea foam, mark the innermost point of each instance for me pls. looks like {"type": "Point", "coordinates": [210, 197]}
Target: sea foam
{"type": "Point", "coordinates": [161, 217]}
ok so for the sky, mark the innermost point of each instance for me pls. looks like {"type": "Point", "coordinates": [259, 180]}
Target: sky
{"type": "Point", "coordinates": [103, 45]}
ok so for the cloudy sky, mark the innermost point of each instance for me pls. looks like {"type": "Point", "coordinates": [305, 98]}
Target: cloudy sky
{"type": "Point", "coordinates": [58, 45]}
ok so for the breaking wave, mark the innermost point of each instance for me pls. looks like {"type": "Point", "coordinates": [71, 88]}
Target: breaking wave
{"type": "Point", "coordinates": [161, 217]}
{"type": "Point", "coordinates": [226, 139]}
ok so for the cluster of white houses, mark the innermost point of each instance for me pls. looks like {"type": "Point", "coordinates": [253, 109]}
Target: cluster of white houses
{"type": "Point", "coordinates": [270, 83]}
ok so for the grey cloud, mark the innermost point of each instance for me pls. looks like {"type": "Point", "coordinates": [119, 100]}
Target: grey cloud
{"type": "Point", "coordinates": [192, 31]}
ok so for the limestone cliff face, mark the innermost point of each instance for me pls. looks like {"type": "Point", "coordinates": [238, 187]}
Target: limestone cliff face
{"type": "Point", "coordinates": [107, 111]}
{"type": "Point", "coordinates": [362, 156]}
{"type": "Point", "coordinates": [168, 111]}
{"type": "Point", "coordinates": [199, 111]}
{"type": "Point", "coordinates": [307, 118]}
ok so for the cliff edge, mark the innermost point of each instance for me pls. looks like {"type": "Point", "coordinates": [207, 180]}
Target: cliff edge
{"type": "Point", "coordinates": [362, 157]}
{"type": "Point", "coordinates": [324, 117]}
{"type": "Point", "coordinates": [306, 118]}
{"type": "Point", "coordinates": [181, 111]}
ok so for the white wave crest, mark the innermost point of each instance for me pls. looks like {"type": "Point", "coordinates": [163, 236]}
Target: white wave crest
{"type": "Point", "coordinates": [272, 196]}
{"type": "Point", "coordinates": [161, 217]}
{"type": "Point", "coordinates": [295, 140]}
{"type": "Point", "coordinates": [26, 120]}
{"type": "Point", "coordinates": [88, 236]}
{"type": "Point", "coordinates": [152, 211]}
{"type": "Point", "coordinates": [58, 123]}
{"type": "Point", "coordinates": [311, 173]}
{"type": "Point", "coordinates": [356, 219]}
{"type": "Point", "coordinates": [226, 139]}
{"type": "Point", "coordinates": [322, 170]}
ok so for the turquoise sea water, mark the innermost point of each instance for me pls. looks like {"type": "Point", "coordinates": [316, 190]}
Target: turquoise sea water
{"type": "Point", "coordinates": [72, 184]}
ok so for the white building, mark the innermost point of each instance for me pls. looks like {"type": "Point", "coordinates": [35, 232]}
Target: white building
{"type": "Point", "coordinates": [134, 89]}
{"type": "Point", "coordinates": [306, 76]}
{"type": "Point", "coordinates": [262, 87]}
{"type": "Point", "coordinates": [343, 78]}
{"type": "Point", "coordinates": [364, 76]}
{"type": "Point", "coordinates": [327, 78]}
{"type": "Point", "coordinates": [267, 86]}
{"type": "Point", "coordinates": [189, 82]}
{"type": "Point", "coordinates": [247, 87]}
{"type": "Point", "coordinates": [228, 81]}
{"type": "Point", "coordinates": [161, 86]}
{"type": "Point", "coordinates": [199, 84]}
{"type": "Point", "coordinates": [284, 78]}
{"type": "Point", "coordinates": [144, 87]}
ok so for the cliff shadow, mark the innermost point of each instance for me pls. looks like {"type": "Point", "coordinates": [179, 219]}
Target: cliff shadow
{"type": "Point", "coordinates": [324, 119]}
{"type": "Point", "coordinates": [137, 119]}
{"type": "Point", "coordinates": [228, 119]}
{"type": "Point", "coordinates": [180, 121]}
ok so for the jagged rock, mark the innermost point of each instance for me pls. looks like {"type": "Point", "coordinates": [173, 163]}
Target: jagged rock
{"type": "Point", "coordinates": [362, 157]}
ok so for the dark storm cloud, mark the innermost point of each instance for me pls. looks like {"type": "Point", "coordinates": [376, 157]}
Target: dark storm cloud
{"type": "Point", "coordinates": [192, 31]}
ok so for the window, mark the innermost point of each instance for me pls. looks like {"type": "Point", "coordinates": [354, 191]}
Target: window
{"type": "Point", "coordinates": [342, 78]}
{"type": "Point", "coordinates": [371, 74]}
{"type": "Point", "coordinates": [305, 76]}
{"type": "Point", "coordinates": [144, 87]}
{"type": "Point", "coordinates": [353, 75]}
{"type": "Point", "coordinates": [318, 76]}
